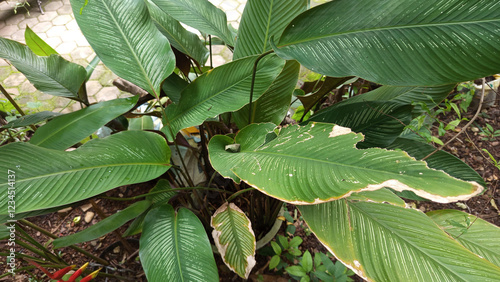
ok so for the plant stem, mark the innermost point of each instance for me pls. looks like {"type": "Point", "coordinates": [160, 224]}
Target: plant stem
{"type": "Point", "coordinates": [49, 234]}
{"type": "Point", "coordinates": [465, 127]}
{"type": "Point", "coordinates": [253, 83]}
{"type": "Point", "coordinates": [166, 190]}
{"type": "Point", "coordinates": [210, 44]}
{"type": "Point", "coordinates": [239, 193]}
{"type": "Point", "coordinates": [13, 102]}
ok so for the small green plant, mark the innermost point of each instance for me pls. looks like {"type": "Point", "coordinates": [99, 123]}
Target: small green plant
{"type": "Point", "coordinates": [301, 266]}
{"type": "Point", "coordinates": [493, 161]}
{"type": "Point", "coordinates": [489, 133]}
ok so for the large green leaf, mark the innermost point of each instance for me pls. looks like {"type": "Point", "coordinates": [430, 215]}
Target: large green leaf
{"type": "Point", "coordinates": [234, 238]}
{"type": "Point", "coordinates": [52, 75]}
{"type": "Point", "coordinates": [406, 43]}
{"type": "Point", "coordinates": [124, 37]}
{"type": "Point", "coordinates": [173, 86]}
{"type": "Point", "coordinates": [319, 162]}
{"type": "Point", "coordinates": [383, 242]}
{"type": "Point", "coordinates": [380, 121]}
{"type": "Point", "coordinates": [223, 89]}
{"type": "Point", "coordinates": [67, 130]}
{"type": "Point", "coordinates": [175, 247]}
{"type": "Point", "coordinates": [181, 39]}
{"type": "Point", "coordinates": [157, 199]}
{"type": "Point", "coordinates": [104, 226]}
{"type": "Point", "coordinates": [273, 105]}
{"type": "Point", "coordinates": [431, 96]}
{"type": "Point", "coordinates": [28, 120]}
{"type": "Point", "coordinates": [200, 14]}
{"type": "Point", "coordinates": [48, 178]}
{"type": "Point", "coordinates": [476, 234]}
{"type": "Point", "coordinates": [36, 44]}
{"type": "Point", "coordinates": [440, 160]}
{"type": "Point", "coordinates": [261, 20]}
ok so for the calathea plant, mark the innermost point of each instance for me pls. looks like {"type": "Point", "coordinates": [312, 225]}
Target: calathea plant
{"type": "Point", "coordinates": [347, 168]}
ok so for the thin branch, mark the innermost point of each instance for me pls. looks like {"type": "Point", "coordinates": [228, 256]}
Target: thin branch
{"type": "Point", "coordinates": [465, 127]}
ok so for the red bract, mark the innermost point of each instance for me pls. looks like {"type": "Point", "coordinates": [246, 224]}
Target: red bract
{"type": "Point", "coordinates": [60, 273]}
{"type": "Point", "coordinates": [57, 275]}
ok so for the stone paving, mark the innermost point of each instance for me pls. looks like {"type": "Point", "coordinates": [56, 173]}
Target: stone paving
{"type": "Point", "coordinates": [59, 29]}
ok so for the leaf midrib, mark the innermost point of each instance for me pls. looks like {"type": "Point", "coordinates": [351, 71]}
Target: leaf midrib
{"type": "Point", "coordinates": [86, 169]}
{"type": "Point", "coordinates": [125, 38]}
{"type": "Point", "coordinates": [402, 238]}
{"type": "Point", "coordinates": [178, 116]}
{"type": "Point", "coordinates": [203, 17]}
{"type": "Point", "coordinates": [375, 29]}
{"type": "Point", "coordinates": [73, 121]}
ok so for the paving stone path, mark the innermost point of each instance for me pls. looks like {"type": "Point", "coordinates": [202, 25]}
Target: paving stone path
{"type": "Point", "coordinates": [58, 28]}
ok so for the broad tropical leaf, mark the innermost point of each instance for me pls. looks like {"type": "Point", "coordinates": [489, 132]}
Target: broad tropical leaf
{"type": "Point", "coordinates": [218, 146]}
{"type": "Point", "coordinates": [104, 226]}
{"type": "Point", "coordinates": [234, 238]}
{"type": "Point", "coordinates": [405, 43]}
{"type": "Point", "coordinates": [379, 196]}
{"type": "Point", "coordinates": [173, 86]}
{"type": "Point", "coordinates": [319, 162]}
{"type": "Point", "coordinates": [36, 44]}
{"type": "Point", "coordinates": [431, 96]}
{"type": "Point", "coordinates": [181, 39]}
{"type": "Point", "coordinates": [476, 234]}
{"type": "Point", "coordinates": [223, 89]}
{"type": "Point", "coordinates": [52, 75]}
{"type": "Point", "coordinates": [261, 20]}
{"type": "Point", "coordinates": [175, 247]}
{"type": "Point", "coordinates": [28, 120]}
{"type": "Point", "coordinates": [312, 98]}
{"type": "Point", "coordinates": [141, 123]}
{"type": "Point", "coordinates": [379, 242]}
{"type": "Point", "coordinates": [441, 160]}
{"type": "Point", "coordinates": [124, 37]}
{"type": "Point", "coordinates": [200, 14]}
{"type": "Point", "coordinates": [157, 199]}
{"type": "Point", "coordinates": [67, 130]}
{"type": "Point", "coordinates": [380, 121]}
{"type": "Point", "coordinates": [48, 178]}
{"type": "Point", "coordinates": [273, 105]}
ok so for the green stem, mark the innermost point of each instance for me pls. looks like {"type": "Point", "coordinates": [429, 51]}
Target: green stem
{"type": "Point", "coordinates": [166, 190]}
{"type": "Point", "coordinates": [239, 193]}
{"type": "Point", "coordinates": [11, 100]}
{"type": "Point", "coordinates": [47, 233]}
{"type": "Point", "coordinates": [253, 83]}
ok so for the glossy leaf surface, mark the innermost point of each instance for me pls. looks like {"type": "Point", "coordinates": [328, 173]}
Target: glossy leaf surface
{"type": "Point", "coordinates": [319, 162]}
{"type": "Point", "coordinates": [273, 105]}
{"type": "Point", "coordinates": [175, 247]}
{"type": "Point", "coordinates": [374, 239]}
{"type": "Point", "coordinates": [476, 234]}
{"type": "Point", "coordinates": [405, 43]}
{"type": "Point", "coordinates": [200, 14]}
{"type": "Point", "coordinates": [48, 178]}
{"type": "Point", "coordinates": [181, 39]}
{"type": "Point", "coordinates": [234, 238]}
{"type": "Point", "coordinates": [36, 44]}
{"type": "Point", "coordinates": [124, 37]}
{"type": "Point", "coordinates": [223, 89]}
{"type": "Point", "coordinates": [261, 20]}
{"type": "Point", "coordinates": [67, 130]}
{"type": "Point", "coordinates": [52, 75]}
